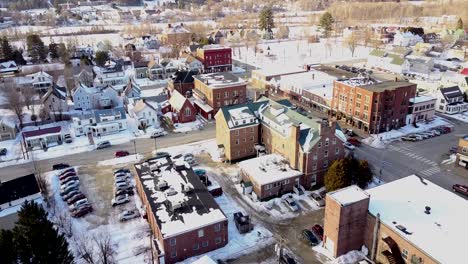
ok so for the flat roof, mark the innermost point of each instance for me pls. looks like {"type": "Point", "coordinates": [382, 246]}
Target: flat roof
{"type": "Point", "coordinates": [220, 79]}
{"type": "Point", "coordinates": [441, 234]}
{"type": "Point", "coordinates": [274, 70]}
{"type": "Point", "coordinates": [348, 195]}
{"type": "Point", "coordinates": [386, 85]}
{"type": "Point", "coordinates": [421, 99]}
{"type": "Point", "coordinates": [268, 169]}
{"type": "Point", "coordinates": [165, 183]}
{"type": "Point", "coordinates": [18, 188]}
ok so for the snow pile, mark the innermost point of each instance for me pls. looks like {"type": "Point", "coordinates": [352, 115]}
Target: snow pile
{"type": "Point", "coordinates": [127, 159]}
{"type": "Point", "coordinates": [450, 160]}
{"type": "Point", "coordinates": [187, 127]}
{"type": "Point", "coordinates": [206, 146]}
{"type": "Point", "coordinates": [351, 257]}
{"type": "Point", "coordinates": [460, 117]}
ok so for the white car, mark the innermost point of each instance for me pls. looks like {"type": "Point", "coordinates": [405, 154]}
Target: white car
{"type": "Point", "coordinates": [158, 133]}
{"type": "Point", "coordinates": [289, 201]}
{"type": "Point", "coordinates": [128, 215]}
{"type": "Point", "coordinates": [69, 184]}
{"type": "Point", "coordinates": [121, 199]}
{"type": "Point", "coordinates": [349, 146]}
{"type": "Point", "coordinates": [121, 175]}
{"type": "Point", "coordinates": [78, 204]}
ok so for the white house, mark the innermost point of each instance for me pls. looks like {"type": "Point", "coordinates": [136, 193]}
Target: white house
{"type": "Point", "coordinates": [40, 81]}
{"type": "Point", "coordinates": [87, 98]}
{"type": "Point", "coordinates": [8, 67]}
{"type": "Point", "coordinates": [145, 113]}
{"type": "Point", "coordinates": [100, 122]}
{"type": "Point", "coordinates": [386, 60]}
{"type": "Point", "coordinates": [420, 65]}
{"type": "Point", "coordinates": [450, 100]}
{"type": "Point", "coordinates": [112, 74]}
{"type": "Point", "coordinates": [406, 39]}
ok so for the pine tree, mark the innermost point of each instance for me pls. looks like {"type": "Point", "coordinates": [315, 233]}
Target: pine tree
{"type": "Point", "coordinates": [6, 52]}
{"type": "Point", "coordinates": [8, 251]}
{"type": "Point", "coordinates": [326, 22]}
{"type": "Point", "coordinates": [18, 57]}
{"type": "Point", "coordinates": [338, 176]}
{"type": "Point", "coordinates": [36, 49]}
{"type": "Point", "coordinates": [364, 175]}
{"type": "Point", "coordinates": [54, 51]}
{"type": "Point", "coordinates": [460, 23]}
{"type": "Point", "coordinates": [101, 58]}
{"type": "Point", "coordinates": [35, 238]}
{"type": "Point", "coordinates": [266, 19]}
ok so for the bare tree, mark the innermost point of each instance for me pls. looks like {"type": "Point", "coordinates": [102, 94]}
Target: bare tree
{"type": "Point", "coordinates": [28, 97]}
{"type": "Point", "coordinates": [84, 249]}
{"type": "Point", "coordinates": [351, 42]}
{"type": "Point", "coordinates": [367, 36]}
{"type": "Point", "coordinates": [105, 249]}
{"type": "Point", "coordinates": [15, 102]}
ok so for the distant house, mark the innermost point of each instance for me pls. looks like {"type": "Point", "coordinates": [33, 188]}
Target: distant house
{"type": "Point", "coordinates": [192, 63]}
{"type": "Point", "coordinates": [112, 74]}
{"type": "Point", "coordinates": [155, 71]}
{"type": "Point", "coordinates": [132, 90]}
{"type": "Point", "coordinates": [55, 100]}
{"type": "Point", "coordinates": [450, 101]}
{"type": "Point", "coordinates": [40, 81]}
{"type": "Point", "coordinates": [182, 109]}
{"type": "Point", "coordinates": [7, 130]}
{"type": "Point", "coordinates": [420, 65]}
{"type": "Point", "coordinates": [175, 34]}
{"type": "Point", "coordinates": [182, 81]}
{"type": "Point", "coordinates": [42, 137]}
{"type": "Point", "coordinates": [8, 67]}
{"type": "Point", "coordinates": [216, 37]}
{"type": "Point", "coordinates": [170, 66]}
{"type": "Point", "coordinates": [421, 108]}
{"type": "Point", "coordinates": [406, 39]}
{"type": "Point", "coordinates": [87, 98]}
{"type": "Point", "coordinates": [386, 60]}
{"type": "Point", "coordinates": [141, 69]}
{"type": "Point", "coordinates": [145, 113]}
{"type": "Point", "coordinates": [100, 122]}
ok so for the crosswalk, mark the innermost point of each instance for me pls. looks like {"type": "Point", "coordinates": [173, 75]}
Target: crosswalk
{"type": "Point", "coordinates": [430, 171]}
{"type": "Point", "coordinates": [410, 154]}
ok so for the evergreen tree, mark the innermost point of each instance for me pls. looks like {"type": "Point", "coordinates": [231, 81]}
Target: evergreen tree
{"type": "Point", "coordinates": [18, 57]}
{"type": "Point", "coordinates": [266, 19]}
{"type": "Point", "coordinates": [35, 238]}
{"type": "Point", "coordinates": [6, 51]}
{"type": "Point", "coordinates": [460, 23]}
{"type": "Point", "coordinates": [326, 22]}
{"type": "Point", "coordinates": [64, 54]}
{"type": "Point", "coordinates": [364, 174]}
{"type": "Point", "coordinates": [8, 251]}
{"type": "Point", "coordinates": [36, 49]}
{"type": "Point", "coordinates": [347, 171]}
{"type": "Point", "coordinates": [101, 58]}
{"type": "Point", "coordinates": [54, 51]}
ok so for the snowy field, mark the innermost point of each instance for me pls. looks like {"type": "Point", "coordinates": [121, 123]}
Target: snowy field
{"type": "Point", "coordinates": [379, 140]}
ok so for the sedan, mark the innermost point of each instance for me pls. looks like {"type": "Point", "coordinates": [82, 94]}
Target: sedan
{"type": "Point", "coordinates": [78, 204]}
{"type": "Point", "coordinates": [159, 133]}
{"type": "Point", "coordinates": [317, 199]}
{"type": "Point", "coordinates": [121, 170]}
{"type": "Point", "coordinates": [70, 184]}
{"type": "Point", "coordinates": [68, 190]}
{"type": "Point", "coordinates": [121, 153]}
{"type": "Point", "coordinates": [70, 195]}
{"type": "Point", "coordinates": [119, 192]}
{"type": "Point", "coordinates": [289, 201]}
{"type": "Point", "coordinates": [349, 146]}
{"type": "Point", "coordinates": [463, 189]}
{"type": "Point", "coordinates": [75, 198]}
{"type": "Point", "coordinates": [82, 211]}
{"type": "Point", "coordinates": [69, 179]}
{"type": "Point", "coordinates": [128, 215]}
{"type": "Point", "coordinates": [67, 175]}
{"type": "Point", "coordinates": [318, 231]}
{"type": "Point", "coordinates": [103, 144]}
{"type": "Point", "coordinates": [309, 237]}
{"type": "Point", "coordinates": [60, 166]}
{"type": "Point", "coordinates": [121, 199]}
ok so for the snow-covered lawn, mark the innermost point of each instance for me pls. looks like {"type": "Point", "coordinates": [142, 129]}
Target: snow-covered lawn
{"type": "Point", "coordinates": [117, 161]}
{"type": "Point", "coordinates": [206, 146]}
{"type": "Point", "coordinates": [379, 140]}
{"type": "Point", "coordinates": [187, 127]}
{"type": "Point", "coordinates": [461, 117]}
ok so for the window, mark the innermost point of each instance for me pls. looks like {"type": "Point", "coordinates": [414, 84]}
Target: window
{"type": "Point", "coordinates": [218, 240]}
{"type": "Point", "coordinates": [358, 105]}
{"type": "Point", "coordinates": [404, 253]}
{"type": "Point", "coordinates": [217, 227]}
{"type": "Point", "coordinates": [337, 150]}
{"type": "Point", "coordinates": [315, 156]}
{"type": "Point", "coordinates": [204, 244]}
{"type": "Point", "coordinates": [217, 96]}
{"type": "Point", "coordinates": [188, 112]}
{"type": "Point", "coordinates": [334, 141]}
{"type": "Point", "coordinates": [237, 141]}
{"type": "Point", "coordinates": [358, 96]}
{"type": "Point", "coordinates": [196, 246]}
{"type": "Point", "coordinates": [173, 254]}
{"type": "Point", "coordinates": [286, 182]}
{"type": "Point", "coordinates": [325, 163]}
{"type": "Point", "coordinates": [172, 242]}
{"type": "Point", "coordinates": [367, 99]}
{"type": "Point", "coordinates": [320, 144]}
{"type": "Point", "coordinates": [366, 107]}
{"type": "Point", "coordinates": [201, 233]}
{"type": "Point", "coordinates": [326, 142]}
{"type": "Point", "coordinates": [236, 132]}
{"type": "Point", "coordinates": [326, 153]}
{"type": "Point", "coordinates": [251, 129]}
{"type": "Point", "coordinates": [226, 94]}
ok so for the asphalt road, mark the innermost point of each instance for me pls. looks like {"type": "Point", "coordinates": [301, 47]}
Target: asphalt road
{"type": "Point", "coordinates": [143, 146]}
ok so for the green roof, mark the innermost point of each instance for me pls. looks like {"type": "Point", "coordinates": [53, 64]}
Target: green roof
{"type": "Point", "coordinates": [396, 59]}
{"type": "Point", "coordinates": [377, 53]}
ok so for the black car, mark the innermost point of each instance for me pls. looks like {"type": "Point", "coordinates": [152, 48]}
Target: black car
{"type": "Point", "coordinates": [3, 152]}
{"type": "Point", "coordinates": [309, 237]}
{"type": "Point", "coordinates": [121, 170]}
{"type": "Point", "coordinates": [70, 194]}
{"type": "Point", "coordinates": [60, 166]}
{"type": "Point", "coordinates": [123, 192]}
{"type": "Point", "coordinates": [161, 154]}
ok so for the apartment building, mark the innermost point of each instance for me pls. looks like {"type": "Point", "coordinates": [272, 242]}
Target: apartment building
{"type": "Point", "coordinates": [370, 105]}
{"type": "Point", "coordinates": [421, 108]}
{"type": "Point", "coordinates": [220, 89]}
{"type": "Point", "coordinates": [309, 145]}
{"type": "Point", "coordinates": [215, 58]}
{"type": "Point", "coordinates": [410, 220]}
{"type": "Point", "coordinates": [183, 216]}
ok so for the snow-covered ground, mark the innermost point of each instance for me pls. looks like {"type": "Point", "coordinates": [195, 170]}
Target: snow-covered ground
{"type": "Point", "coordinates": [461, 117]}
{"type": "Point", "coordinates": [116, 161]}
{"type": "Point", "coordinates": [187, 127]}
{"type": "Point", "coordinates": [379, 140]}
{"type": "Point", "coordinates": [206, 146]}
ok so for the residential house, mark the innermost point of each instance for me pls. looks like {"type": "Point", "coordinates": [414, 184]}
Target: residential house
{"type": "Point", "coordinates": [170, 66]}
{"type": "Point", "coordinates": [141, 69]}
{"type": "Point", "coordinates": [263, 78]}
{"type": "Point", "coordinates": [462, 152]}
{"type": "Point", "coordinates": [87, 98]}
{"type": "Point", "coordinates": [387, 60]}
{"type": "Point", "coordinates": [40, 81]}
{"type": "Point", "coordinates": [450, 101]}
{"type": "Point", "coordinates": [42, 138]}
{"type": "Point", "coordinates": [394, 220]}
{"type": "Point", "coordinates": [132, 90]}
{"type": "Point", "coordinates": [420, 65]}
{"type": "Point", "coordinates": [84, 75]}
{"type": "Point", "coordinates": [216, 37]}
{"type": "Point", "coordinates": [192, 63]}
{"type": "Point", "coordinates": [146, 114]}
{"type": "Point", "coordinates": [155, 70]}
{"type": "Point", "coordinates": [100, 122]}
{"type": "Point", "coordinates": [220, 89]}
{"type": "Point", "coordinates": [310, 145]}
{"type": "Point", "coordinates": [183, 225]}
{"type": "Point", "coordinates": [55, 101]}
{"type": "Point", "coordinates": [14, 192]}
{"type": "Point", "coordinates": [7, 129]}
{"type": "Point", "coordinates": [215, 58]}
{"type": "Point", "coordinates": [182, 110]}
{"type": "Point", "coordinates": [175, 34]}
{"type": "Point", "coordinates": [182, 81]}
{"type": "Point", "coordinates": [112, 74]}
{"type": "Point", "coordinates": [372, 106]}
{"type": "Point", "coordinates": [8, 67]}
{"type": "Point", "coordinates": [406, 39]}
{"type": "Point", "coordinates": [132, 52]}
{"type": "Point", "coordinates": [421, 108]}
{"type": "Point", "coordinates": [270, 176]}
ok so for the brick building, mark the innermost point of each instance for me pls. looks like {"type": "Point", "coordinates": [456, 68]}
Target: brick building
{"type": "Point", "coordinates": [220, 89]}
{"type": "Point", "coordinates": [182, 109]}
{"type": "Point", "coordinates": [183, 216]}
{"type": "Point", "coordinates": [372, 106]}
{"type": "Point", "coordinates": [410, 220]}
{"type": "Point", "coordinates": [215, 58]}
{"type": "Point", "coordinates": [182, 81]}
{"type": "Point", "coordinates": [310, 145]}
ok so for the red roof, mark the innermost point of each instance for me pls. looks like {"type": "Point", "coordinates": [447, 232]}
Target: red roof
{"type": "Point", "coordinates": [464, 71]}
{"type": "Point", "coordinates": [40, 132]}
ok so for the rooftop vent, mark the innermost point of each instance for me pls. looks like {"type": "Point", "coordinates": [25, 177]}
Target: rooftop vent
{"type": "Point", "coordinates": [427, 210]}
{"type": "Point", "coordinates": [171, 192]}
{"type": "Point", "coordinates": [162, 185]}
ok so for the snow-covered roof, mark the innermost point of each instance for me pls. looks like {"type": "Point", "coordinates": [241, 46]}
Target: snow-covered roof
{"type": "Point", "coordinates": [204, 260]}
{"type": "Point", "coordinates": [220, 80]}
{"type": "Point", "coordinates": [268, 169]}
{"type": "Point", "coordinates": [348, 195]}
{"type": "Point", "coordinates": [169, 186]}
{"type": "Point", "coordinates": [177, 100]}
{"type": "Point", "coordinates": [421, 99]}
{"type": "Point", "coordinates": [274, 70]}
{"type": "Point", "coordinates": [441, 234]}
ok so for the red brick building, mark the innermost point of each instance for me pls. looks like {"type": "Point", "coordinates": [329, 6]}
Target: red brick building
{"type": "Point", "coordinates": [215, 58]}
{"type": "Point", "coordinates": [182, 109]}
{"type": "Point", "coordinates": [182, 81]}
{"type": "Point", "coordinates": [220, 89]}
{"type": "Point", "coordinates": [371, 106]}
{"type": "Point", "coordinates": [183, 216]}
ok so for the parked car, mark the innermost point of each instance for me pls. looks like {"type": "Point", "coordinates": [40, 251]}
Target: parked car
{"type": "Point", "coordinates": [69, 179]}
{"type": "Point", "coordinates": [349, 146]}
{"type": "Point", "coordinates": [287, 259]}
{"type": "Point", "coordinates": [424, 136]}
{"type": "Point", "coordinates": [120, 181]}
{"type": "Point", "coordinates": [82, 211]}
{"type": "Point", "coordinates": [413, 139]}
{"type": "Point", "coordinates": [75, 198]}
{"type": "Point", "coordinates": [415, 136]}
{"type": "Point", "coordinates": [121, 153]}
{"type": "Point", "coordinates": [121, 177]}
{"type": "Point", "coordinates": [103, 144]}
{"type": "Point", "coordinates": [354, 141]}
{"type": "Point", "coordinates": [350, 133]}
{"type": "Point", "coordinates": [121, 170]}
{"type": "Point", "coordinates": [78, 204]}
{"type": "Point", "coordinates": [67, 138]}
{"type": "Point", "coordinates": [159, 133]}
{"type": "Point", "coordinates": [119, 192]}
{"type": "Point", "coordinates": [60, 166]}
{"type": "Point", "coordinates": [126, 188]}
{"type": "Point", "coordinates": [128, 215]}
{"type": "Point", "coordinates": [70, 194]}
{"type": "Point", "coordinates": [463, 189]}
{"type": "Point", "coordinates": [67, 170]}
{"type": "Point", "coordinates": [70, 184]}
{"type": "Point", "coordinates": [289, 201]}
{"type": "Point", "coordinates": [122, 185]}
{"type": "Point", "coordinates": [68, 190]}
{"type": "Point", "coordinates": [67, 175]}
{"type": "Point", "coordinates": [317, 199]}
{"type": "Point", "coordinates": [200, 172]}
{"type": "Point", "coordinates": [161, 154]}
{"type": "Point", "coordinates": [3, 151]}
{"type": "Point", "coordinates": [436, 132]}
{"type": "Point", "coordinates": [318, 231]}
{"type": "Point", "coordinates": [121, 199]}
{"type": "Point", "coordinates": [309, 237]}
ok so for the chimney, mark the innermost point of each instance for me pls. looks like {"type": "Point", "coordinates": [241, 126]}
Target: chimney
{"type": "Point", "coordinates": [169, 25]}
{"type": "Point", "coordinates": [427, 210]}
{"type": "Point", "coordinates": [313, 76]}
{"type": "Point", "coordinates": [396, 79]}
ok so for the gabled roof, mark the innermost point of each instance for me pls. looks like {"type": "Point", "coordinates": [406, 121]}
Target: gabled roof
{"type": "Point", "coordinates": [140, 105]}
{"type": "Point", "coordinates": [451, 92]}
{"type": "Point", "coordinates": [98, 114]}
{"type": "Point", "coordinates": [43, 131]}
{"type": "Point", "coordinates": [57, 91]}
{"type": "Point", "coordinates": [132, 87]}
{"type": "Point", "coordinates": [177, 100]}
{"type": "Point", "coordinates": [183, 76]}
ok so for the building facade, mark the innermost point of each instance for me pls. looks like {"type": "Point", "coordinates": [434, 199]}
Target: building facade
{"type": "Point", "coordinates": [421, 108]}
{"type": "Point", "coordinates": [450, 101]}
{"type": "Point", "coordinates": [88, 98]}
{"type": "Point", "coordinates": [182, 110]}
{"type": "Point", "coordinates": [100, 122]}
{"type": "Point", "coordinates": [215, 58]}
{"type": "Point", "coordinates": [462, 152]}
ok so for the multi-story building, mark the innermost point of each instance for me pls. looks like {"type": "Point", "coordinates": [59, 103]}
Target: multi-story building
{"type": "Point", "coordinates": [55, 101]}
{"type": "Point", "coordinates": [220, 89]}
{"type": "Point", "coordinates": [462, 152]}
{"type": "Point", "coordinates": [372, 106]}
{"type": "Point", "coordinates": [215, 58]}
{"type": "Point", "coordinates": [182, 81]}
{"type": "Point", "coordinates": [100, 122]}
{"type": "Point", "coordinates": [8, 129]}
{"type": "Point", "coordinates": [40, 81]}
{"type": "Point", "coordinates": [183, 216]}
{"type": "Point", "coordinates": [175, 34]}
{"type": "Point", "coordinates": [87, 98]}
{"type": "Point", "coordinates": [450, 101]}
{"type": "Point", "coordinates": [310, 145]}
{"type": "Point", "coordinates": [267, 77]}
{"type": "Point", "coordinates": [410, 220]}
{"type": "Point", "coordinates": [421, 108]}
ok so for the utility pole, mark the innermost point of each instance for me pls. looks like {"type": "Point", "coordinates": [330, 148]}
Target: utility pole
{"type": "Point", "coordinates": [134, 146]}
